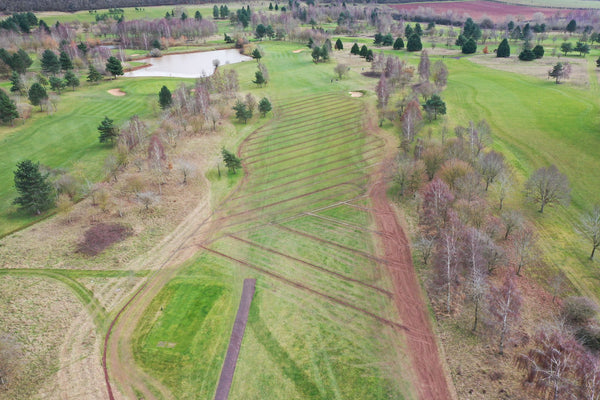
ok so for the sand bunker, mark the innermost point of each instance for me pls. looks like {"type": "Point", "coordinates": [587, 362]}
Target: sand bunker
{"type": "Point", "coordinates": [297, 51]}
{"type": "Point", "coordinates": [356, 94]}
{"type": "Point", "coordinates": [116, 92]}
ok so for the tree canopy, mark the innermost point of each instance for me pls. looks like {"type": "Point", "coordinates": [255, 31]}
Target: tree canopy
{"type": "Point", "coordinates": [37, 94]}
{"type": "Point", "coordinates": [503, 49]}
{"type": "Point", "coordinates": [35, 192]}
{"type": "Point", "coordinates": [8, 109]}
{"type": "Point", "coordinates": [548, 186]}
{"type": "Point", "coordinates": [114, 67]}
{"type": "Point", "coordinates": [414, 43]}
{"type": "Point", "coordinates": [108, 131]}
{"type": "Point", "coordinates": [231, 161]}
{"type": "Point", "coordinates": [165, 99]}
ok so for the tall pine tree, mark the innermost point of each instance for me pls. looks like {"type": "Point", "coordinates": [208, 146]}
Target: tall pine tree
{"type": "Point", "coordinates": [35, 192]}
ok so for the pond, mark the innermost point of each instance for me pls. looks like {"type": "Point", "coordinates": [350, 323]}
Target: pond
{"type": "Point", "coordinates": [189, 65]}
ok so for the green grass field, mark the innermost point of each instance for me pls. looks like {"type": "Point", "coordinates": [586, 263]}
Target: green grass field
{"type": "Point", "coordinates": [69, 137]}
{"type": "Point", "coordinates": [537, 123]}
{"type": "Point", "coordinates": [311, 327]}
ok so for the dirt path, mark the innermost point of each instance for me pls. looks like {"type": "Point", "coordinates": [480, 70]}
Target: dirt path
{"type": "Point", "coordinates": [235, 342]}
{"type": "Point", "coordinates": [432, 381]}
{"type": "Point", "coordinates": [125, 375]}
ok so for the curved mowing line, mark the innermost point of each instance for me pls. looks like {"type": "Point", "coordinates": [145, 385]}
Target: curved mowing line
{"type": "Point", "coordinates": [294, 126]}
{"type": "Point", "coordinates": [81, 292]}
{"type": "Point", "coordinates": [299, 285]}
{"type": "Point", "coordinates": [302, 138]}
{"type": "Point", "coordinates": [320, 143]}
{"type": "Point", "coordinates": [316, 106]}
{"type": "Point", "coordinates": [361, 137]}
{"type": "Point", "coordinates": [336, 274]}
{"type": "Point", "coordinates": [284, 200]}
{"type": "Point", "coordinates": [291, 102]}
{"type": "Point", "coordinates": [280, 211]}
{"type": "Point", "coordinates": [308, 177]}
{"type": "Point", "coordinates": [329, 242]}
{"type": "Point", "coordinates": [303, 134]}
{"type": "Point", "coordinates": [260, 183]}
{"type": "Point", "coordinates": [315, 110]}
{"type": "Point", "coordinates": [235, 341]}
{"type": "Point", "coordinates": [356, 180]}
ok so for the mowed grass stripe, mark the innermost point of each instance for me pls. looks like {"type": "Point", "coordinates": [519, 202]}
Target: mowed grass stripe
{"type": "Point", "coordinates": [342, 156]}
{"type": "Point", "coordinates": [260, 217]}
{"type": "Point", "coordinates": [300, 136]}
{"type": "Point", "coordinates": [291, 125]}
{"type": "Point", "coordinates": [354, 166]}
{"type": "Point", "coordinates": [300, 272]}
{"type": "Point", "coordinates": [259, 198]}
{"type": "Point", "coordinates": [332, 299]}
{"type": "Point", "coordinates": [289, 199]}
{"type": "Point", "coordinates": [320, 268]}
{"type": "Point", "coordinates": [320, 142]}
{"type": "Point", "coordinates": [340, 142]}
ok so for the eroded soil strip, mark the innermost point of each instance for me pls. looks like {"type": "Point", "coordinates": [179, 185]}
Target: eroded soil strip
{"type": "Point", "coordinates": [422, 348]}
{"type": "Point", "coordinates": [235, 342]}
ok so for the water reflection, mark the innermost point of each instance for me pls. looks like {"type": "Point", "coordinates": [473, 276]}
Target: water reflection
{"type": "Point", "coordinates": [190, 65]}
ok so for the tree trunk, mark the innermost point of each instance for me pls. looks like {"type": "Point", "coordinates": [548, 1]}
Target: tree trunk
{"type": "Point", "coordinates": [542, 207]}
{"type": "Point", "coordinates": [476, 315]}
{"type": "Point", "coordinates": [501, 203]}
{"type": "Point", "coordinates": [593, 251]}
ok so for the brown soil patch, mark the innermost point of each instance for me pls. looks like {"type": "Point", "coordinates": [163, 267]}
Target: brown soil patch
{"type": "Point", "coordinates": [356, 94]}
{"type": "Point", "coordinates": [478, 10]}
{"type": "Point", "coordinates": [101, 236]}
{"type": "Point", "coordinates": [298, 51]}
{"type": "Point", "coordinates": [116, 92]}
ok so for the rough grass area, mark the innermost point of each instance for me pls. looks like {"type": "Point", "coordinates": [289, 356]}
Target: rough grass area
{"type": "Point", "coordinates": [101, 236]}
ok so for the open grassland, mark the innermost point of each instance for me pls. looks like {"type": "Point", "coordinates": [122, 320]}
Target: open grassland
{"type": "Point", "coordinates": [537, 123]}
{"type": "Point", "coordinates": [69, 137]}
{"type": "Point", "coordinates": [322, 324]}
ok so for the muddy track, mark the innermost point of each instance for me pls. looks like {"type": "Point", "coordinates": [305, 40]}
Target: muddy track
{"type": "Point", "coordinates": [432, 381]}
{"type": "Point", "coordinates": [235, 341]}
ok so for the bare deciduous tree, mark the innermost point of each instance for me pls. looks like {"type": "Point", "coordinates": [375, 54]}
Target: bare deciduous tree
{"type": "Point", "coordinates": [524, 247]}
{"type": "Point", "coordinates": [187, 168]}
{"type": "Point", "coordinates": [447, 260]}
{"type": "Point", "coordinates": [490, 166]}
{"type": "Point", "coordinates": [340, 70]}
{"type": "Point", "coordinates": [424, 66]}
{"type": "Point", "coordinates": [548, 186]}
{"type": "Point", "coordinates": [505, 306]}
{"type": "Point", "coordinates": [147, 199]}
{"type": "Point", "coordinates": [589, 227]}
{"type": "Point", "coordinates": [512, 220]}
{"type": "Point", "coordinates": [551, 364]}
{"type": "Point", "coordinates": [504, 186]}
{"type": "Point", "coordinates": [439, 74]}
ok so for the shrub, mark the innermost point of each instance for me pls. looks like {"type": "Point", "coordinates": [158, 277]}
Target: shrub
{"type": "Point", "coordinates": [527, 55]}
{"type": "Point", "coordinates": [579, 310]}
